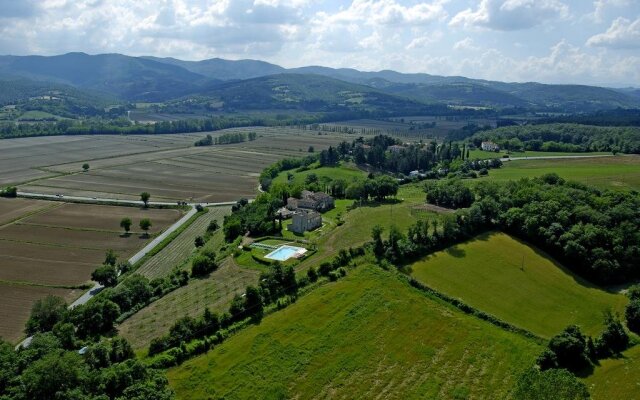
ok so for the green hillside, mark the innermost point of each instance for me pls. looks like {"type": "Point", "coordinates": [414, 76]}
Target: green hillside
{"type": "Point", "coordinates": [310, 93]}
{"type": "Point", "coordinates": [542, 297]}
{"type": "Point", "coordinates": [367, 335]}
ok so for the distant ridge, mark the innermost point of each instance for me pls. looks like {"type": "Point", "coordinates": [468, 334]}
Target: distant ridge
{"type": "Point", "coordinates": [160, 79]}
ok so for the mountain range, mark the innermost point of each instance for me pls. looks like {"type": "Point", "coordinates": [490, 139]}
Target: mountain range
{"type": "Point", "coordinates": [252, 84]}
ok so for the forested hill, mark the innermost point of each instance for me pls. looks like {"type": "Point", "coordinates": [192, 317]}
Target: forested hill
{"type": "Point", "coordinates": [563, 137]}
{"type": "Point", "coordinates": [311, 93]}
{"type": "Point", "coordinates": [130, 78]}
{"type": "Point", "coordinates": [154, 79]}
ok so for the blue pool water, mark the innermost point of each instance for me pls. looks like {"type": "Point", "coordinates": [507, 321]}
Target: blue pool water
{"type": "Point", "coordinates": [284, 253]}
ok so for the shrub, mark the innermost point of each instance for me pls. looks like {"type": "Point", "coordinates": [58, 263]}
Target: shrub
{"type": "Point", "coordinates": [203, 265]}
{"type": "Point", "coordinates": [632, 315]}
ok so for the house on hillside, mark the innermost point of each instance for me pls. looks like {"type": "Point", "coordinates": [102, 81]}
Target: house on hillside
{"type": "Point", "coordinates": [316, 201]}
{"type": "Point", "coordinates": [489, 146]}
{"type": "Point", "coordinates": [305, 220]}
{"type": "Point", "coordinates": [395, 148]}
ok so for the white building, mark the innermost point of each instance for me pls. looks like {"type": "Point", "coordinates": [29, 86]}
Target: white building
{"type": "Point", "coordinates": [489, 146]}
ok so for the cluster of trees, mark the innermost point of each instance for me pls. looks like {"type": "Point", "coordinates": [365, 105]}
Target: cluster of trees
{"type": "Point", "coordinates": [51, 368]}
{"type": "Point", "coordinates": [425, 237]}
{"type": "Point", "coordinates": [391, 155]}
{"type": "Point", "coordinates": [9, 191]}
{"type": "Point", "coordinates": [124, 295]}
{"type": "Point", "coordinates": [145, 224]}
{"type": "Point", "coordinates": [204, 263]}
{"type": "Point", "coordinates": [227, 138]}
{"type": "Point", "coordinates": [576, 352]}
{"type": "Point", "coordinates": [563, 137]}
{"type": "Point", "coordinates": [595, 232]}
{"type": "Point", "coordinates": [285, 164]}
{"type": "Point", "coordinates": [258, 217]}
{"type": "Point", "coordinates": [632, 311]}
{"type": "Point", "coordinates": [451, 193]}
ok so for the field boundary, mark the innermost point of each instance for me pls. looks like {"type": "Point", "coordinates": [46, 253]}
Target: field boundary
{"type": "Point", "coordinates": [467, 309]}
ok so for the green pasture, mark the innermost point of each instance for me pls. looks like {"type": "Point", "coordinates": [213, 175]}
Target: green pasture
{"type": "Point", "coordinates": [618, 172]}
{"type": "Point", "coordinates": [617, 378]}
{"type": "Point", "coordinates": [518, 284]}
{"type": "Point", "coordinates": [348, 172]}
{"type": "Point", "coordinates": [369, 335]}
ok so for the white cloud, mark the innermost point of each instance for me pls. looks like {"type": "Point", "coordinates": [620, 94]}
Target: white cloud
{"type": "Point", "coordinates": [385, 12]}
{"type": "Point", "coordinates": [421, 42]}
{"type": "Point", "coordinates": [601, 7]}
{"type": "Point", "coordinates": [465, 44]}
{"type": "Point", "coordinates": [509, 15]}
{"type": "Point", "coordinates": [622, 34]}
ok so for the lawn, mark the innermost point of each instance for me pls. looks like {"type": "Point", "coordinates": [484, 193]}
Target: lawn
{"type": "Point", "coordinates": [348, 172]}
{"type": "Point", "coordinates": [543, 297]}
{"type": "Point", "coordinates": [617, 378]}
{"type": "Point", "coordinates": [369, 335]}
{"type": "Point", "coordinates": [620, 172]}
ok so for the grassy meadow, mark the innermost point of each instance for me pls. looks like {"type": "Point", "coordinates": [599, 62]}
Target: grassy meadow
{"type": "Point", "coordinates": [619, 172]}
{"type": "Point", "coordinates": [369, 335]}
{"type": "Point", "coordinates": [543, 297]}
{"type": "Point", "coordinates": [617, 378]}
{"type": "Point", "coordinates": [349, 172]}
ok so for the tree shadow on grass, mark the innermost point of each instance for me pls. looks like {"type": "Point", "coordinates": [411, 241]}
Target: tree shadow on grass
{"type": "Point", "coordinates": [455, 251]}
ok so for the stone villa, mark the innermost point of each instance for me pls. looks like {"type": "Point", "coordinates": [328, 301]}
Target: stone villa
{"type": "Point", "coordinates": [305, 220]}
{"type": "Point", "coordinates": [317, 201]}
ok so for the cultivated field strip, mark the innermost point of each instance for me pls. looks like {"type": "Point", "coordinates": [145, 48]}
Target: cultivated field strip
{"type": "Point", "coordinates": [16, 303]}
{"type": "Point", "coordinates": [103, 218]}
{"type": "Point", "coordinates": [179, 250]}
{"type": "Point", "coordinates": [215, 292]}
{"type": "Point", "coordinates": [13, 209]}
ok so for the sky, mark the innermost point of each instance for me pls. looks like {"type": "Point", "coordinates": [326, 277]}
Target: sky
{"type": "Point", "coordinates": [552, 41]}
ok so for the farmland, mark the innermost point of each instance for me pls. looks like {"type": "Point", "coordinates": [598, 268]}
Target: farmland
{"type": "Point", "coordinates": [543, 297]}
{"type": "Point", "coordinates": [53, 247]}
{"type": "Point", "coordinates": [620, 172]}
{"type": "Point", "coordinates": [366, 335]}
{"type": "Point", "coordinates": [177, 252]}
{"type": "Point", "coordinates": [214, 291]}
{"type": "Point", "coordinates": [16, 305]}
{"type": "Point", "coordinates": [167, 166]}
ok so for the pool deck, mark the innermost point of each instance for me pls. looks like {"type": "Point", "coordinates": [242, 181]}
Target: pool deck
{"type": "Point", "coordinates": [295, 252]}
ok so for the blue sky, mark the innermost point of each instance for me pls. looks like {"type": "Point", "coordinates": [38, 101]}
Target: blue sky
{"type": "Point", "coordinates": [555, 41]}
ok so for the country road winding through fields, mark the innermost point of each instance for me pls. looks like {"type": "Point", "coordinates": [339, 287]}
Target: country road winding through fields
{"type": "Point", "coordinates": [88, 295]}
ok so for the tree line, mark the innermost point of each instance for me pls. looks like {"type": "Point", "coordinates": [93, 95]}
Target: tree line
{"type": "Point", "coordinates": [563, 137]}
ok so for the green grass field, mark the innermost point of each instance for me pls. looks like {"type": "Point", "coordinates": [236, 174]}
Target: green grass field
{"type": "Point", "coordinates": [620, 172]}
{"type": "Point", "coordinates": [543, 298]}
{"type": "Point", "coordinates": [481, 154]}
{"type": "Point", "coordinates": [617, 378]}
{"type": "Point", "coordinates": [369, 335]}
{"type": "Point", "coordinates": [348, 172]}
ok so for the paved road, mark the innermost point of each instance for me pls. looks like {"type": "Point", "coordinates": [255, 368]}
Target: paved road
{"type": "Point", "coordinates": [555, 157]}
{"type": "Point", "coordinates": [136, 257]}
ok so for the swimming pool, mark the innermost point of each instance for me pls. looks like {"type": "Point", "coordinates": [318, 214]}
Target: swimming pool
{"type": "Point", "coordinates": [283, 253]}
